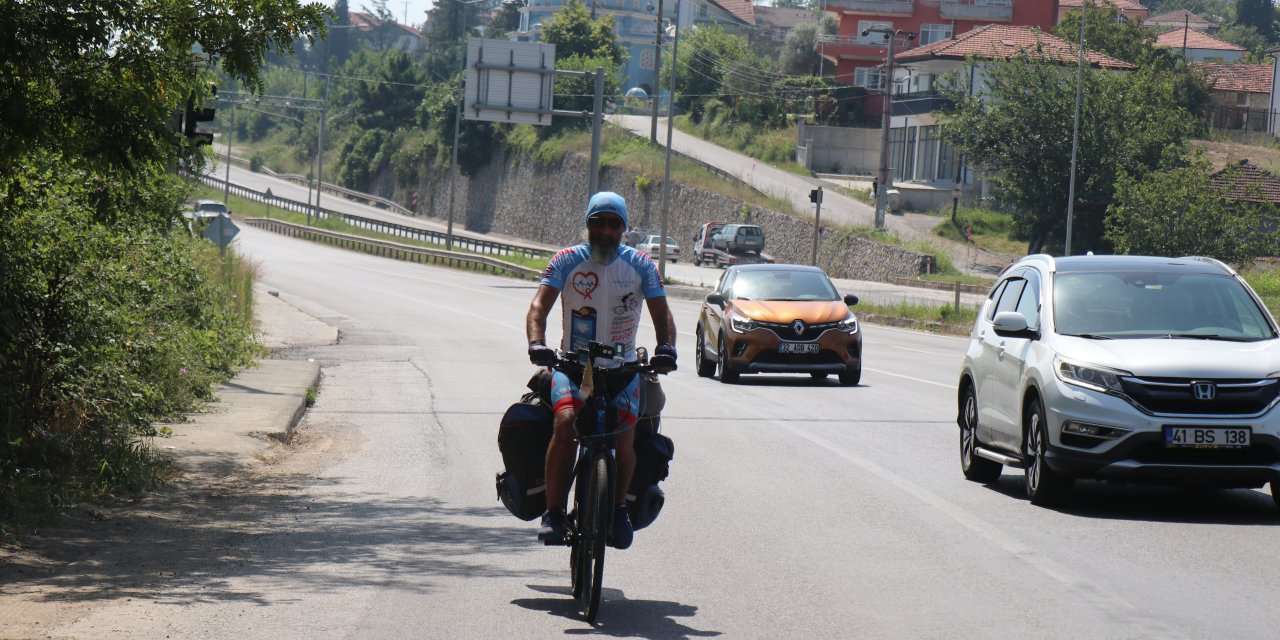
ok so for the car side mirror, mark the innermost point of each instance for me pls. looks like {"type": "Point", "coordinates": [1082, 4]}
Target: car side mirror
{"type": "Point", "coordinates": [850, 299]}
{"type": "Point", "coordinates": [1011, 324]}
{"type": "Point", "coordinates": [716, 298]}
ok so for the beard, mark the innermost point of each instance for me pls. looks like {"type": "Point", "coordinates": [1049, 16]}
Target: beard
{"type": "Point", "coordinates": [603, 250]}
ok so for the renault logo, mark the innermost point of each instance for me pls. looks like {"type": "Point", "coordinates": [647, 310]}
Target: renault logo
{"type": "Point", "coordinates": [798, 327]}
{"type": "Point", "coordinates": [1204, 390]}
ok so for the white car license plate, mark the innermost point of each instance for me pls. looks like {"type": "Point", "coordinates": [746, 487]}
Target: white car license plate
{"type": "Point", "coordinates": [1207, 437]}
{"type": "Point", "coordinates": [798, 347]}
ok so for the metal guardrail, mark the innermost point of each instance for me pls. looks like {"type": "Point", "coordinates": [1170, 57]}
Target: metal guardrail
{"type": "Point", "coordinates": [382, 226]}
{"type": "Point", "coordinates": [331, 188]}
{"type": "Point", "coordinates": [393, 250]}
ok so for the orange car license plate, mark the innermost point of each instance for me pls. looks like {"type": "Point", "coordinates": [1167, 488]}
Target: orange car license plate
{"type": "Point", "coordinates": [798, 347]}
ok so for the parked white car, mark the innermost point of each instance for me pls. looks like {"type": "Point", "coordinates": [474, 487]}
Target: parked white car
{"type": "Point", "coordinates": [651, 244]}
{"type": "Point", "coordinates": [1121, 368]}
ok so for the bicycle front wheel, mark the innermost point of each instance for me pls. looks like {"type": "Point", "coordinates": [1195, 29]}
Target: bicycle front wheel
{"type": "Point", "coordinates": [595, 529]}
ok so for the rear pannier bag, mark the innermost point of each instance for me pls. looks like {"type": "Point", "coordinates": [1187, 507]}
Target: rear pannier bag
{"type": "Point", "coordinates": [523, 437]}
{"type": "Point", "coordinates": [654, 452]}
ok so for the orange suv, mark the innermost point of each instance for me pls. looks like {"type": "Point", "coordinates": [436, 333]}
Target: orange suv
{"type": "Point", "coordinates": [778, 318]}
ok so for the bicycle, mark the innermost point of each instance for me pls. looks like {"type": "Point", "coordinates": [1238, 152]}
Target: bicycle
{"type": "Point", "coordinates": [590, 521]}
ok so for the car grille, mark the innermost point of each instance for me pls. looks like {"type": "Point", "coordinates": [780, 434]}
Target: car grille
{"type": "Point", "coordinates": [811, 331]}
{"type": "Point", "coordinates": [1153, 453]}
{"type": "Point", "coordinates": [1232, 397]}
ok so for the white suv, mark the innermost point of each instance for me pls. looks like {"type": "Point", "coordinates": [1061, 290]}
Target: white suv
{"type": "Point", "coordinates": [1124, 368]}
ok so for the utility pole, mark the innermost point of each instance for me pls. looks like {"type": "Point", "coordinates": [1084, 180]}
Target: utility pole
{"type": "Point", "coordinates": [886, 116]}
{"type": "Point", "coordinates": [226, 184]}
{"type": "Point", "coordinates": [671, 118]}
{"type": "Point", "coordinates": [657, 65]}
{"type": "Point", "coordinates": [815, 197]}
{"type": "Point", "coordinates": [1075, 137]}
{"type": "Point", "coordinates": [324, 106]}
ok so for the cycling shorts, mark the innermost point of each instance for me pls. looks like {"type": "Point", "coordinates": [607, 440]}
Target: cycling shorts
{"type": "Point", "coordinates": [564, 395]}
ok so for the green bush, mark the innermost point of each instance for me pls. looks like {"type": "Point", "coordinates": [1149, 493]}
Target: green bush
{"type": "Point", "coordinates": [103, 331]}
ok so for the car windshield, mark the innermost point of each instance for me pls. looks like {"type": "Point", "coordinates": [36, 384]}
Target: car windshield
{"type": "Point", "coordinates": [1147, 304]}
{"type": "Point", "coordinates": [211, 208]}
{"type": "Point", "coordinates": [783, 285]}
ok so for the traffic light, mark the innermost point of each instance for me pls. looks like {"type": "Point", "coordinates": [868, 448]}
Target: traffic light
{"type": "Point", "coordinates": [193, 115]}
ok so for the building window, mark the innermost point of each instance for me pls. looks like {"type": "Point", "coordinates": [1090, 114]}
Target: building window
{"type": "Point", "coordinates": [873, 37]}
{"type": "Point", "coordinates": [868, 77]}
{"type": "Point", "coordinates": [931, 33]}
{"type": "Point", "coordinates": [1242, 99]}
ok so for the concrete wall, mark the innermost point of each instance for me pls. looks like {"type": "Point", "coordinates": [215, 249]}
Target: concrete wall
{"type": "Point", "coordinates": [845, 150]}
{"type": "Point", "coordinates": [515, 196]}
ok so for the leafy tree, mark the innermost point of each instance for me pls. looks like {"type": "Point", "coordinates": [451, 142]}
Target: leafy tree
{"type": "Point", "coordinates": [1104, 31]}
{"type": "Point", "coordinates": [574, 33]}
{"type": "Point", "coordinates": [1259, 14]}
{"type": "Point", "coordinates": [705, 57]}
{"type": "Point", "coordinates": [799, 54]}
{"type": "Point", "coordinates": [111, 317]}
{"type": "Point", "coordinates": [389, 100]}
{"type": "Point", "coordinates": [1175, 211]}
{"type": "Point", "coordinates": [1018, 126]}
{"type": "Point", "coordinates": [1247, 37]}
{"type": "Point", "coordinates": [506, 19]}
{"type": "Point", "coordinates": [450, 22]}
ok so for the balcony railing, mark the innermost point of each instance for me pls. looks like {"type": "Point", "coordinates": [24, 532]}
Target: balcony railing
{"type": "Point", "coordinates": [918, 103]}
{"type": "Point", "coordinates": [874, 7]}
{"type": "Point", "coordinates": [999, 10]}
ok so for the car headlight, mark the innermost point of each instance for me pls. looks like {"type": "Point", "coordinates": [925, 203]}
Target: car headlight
{"type": "Point", "coordinates": [1095, 378]}
{"type": "Point", "coordinates": [849, 325]}
{"type": "Point", "coordinates": [742, 324]}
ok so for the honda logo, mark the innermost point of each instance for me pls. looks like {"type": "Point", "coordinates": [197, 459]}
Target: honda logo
{"type": "Point", "coordinates": [1204, 390]}
{"type": "Point", "coordinates": [798, 327]}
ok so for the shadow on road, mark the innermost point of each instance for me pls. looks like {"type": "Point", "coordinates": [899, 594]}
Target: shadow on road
{"type": "Point", "coordinates": [1183, 505]}
{"type": "Point", "coordinates": [619, 617]}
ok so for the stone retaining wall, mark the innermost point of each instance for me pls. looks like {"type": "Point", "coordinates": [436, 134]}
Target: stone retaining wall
{"type": "Point", "coordinates": [515, 196]}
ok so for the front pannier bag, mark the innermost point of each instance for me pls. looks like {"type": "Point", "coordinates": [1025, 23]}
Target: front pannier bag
{"type": "Point", "coordinates": [523, 437]}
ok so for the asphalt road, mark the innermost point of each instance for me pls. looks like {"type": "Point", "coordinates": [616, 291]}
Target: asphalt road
{"type": "Point", "coordinates": [794, 510]}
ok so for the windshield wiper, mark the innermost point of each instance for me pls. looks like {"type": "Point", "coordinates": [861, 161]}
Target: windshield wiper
{"type": "Point", "coordinates": [1092, 336]}
{"type": "Point", "coordinates": [1204, 336]}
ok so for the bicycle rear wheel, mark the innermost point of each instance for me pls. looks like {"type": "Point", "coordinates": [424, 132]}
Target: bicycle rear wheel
{"type": "Point", "coordinates": [595, 529]}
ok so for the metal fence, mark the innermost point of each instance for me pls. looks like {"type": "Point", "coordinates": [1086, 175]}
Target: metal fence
{"type": "Point", "coordinates": [1243, 119]}
{"type": "Point", "coordinates": [393, 250]}
{"type": "Point", "coordinates": [381, 226]}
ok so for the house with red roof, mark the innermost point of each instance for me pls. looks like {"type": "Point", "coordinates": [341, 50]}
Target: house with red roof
{"type": "Point", "coordinates": [386, 34]}
{"type": "Point", "coordinates": [918, 71]}
{"type": "Point", "coordinates": [859, 58]}
{"type": "Point", "coordinates": [924, 168]}
{"type": "Point", "coordinates": [1199, 46]}
{"type": "Point", "coordinates": [1241, 94]}
{"type": "Point", "coordinates": [1248, 182]}
{"type": "Point", "coordinates": [1178, 19]}
{"type": "Point", "coordinates": [1129, 10]}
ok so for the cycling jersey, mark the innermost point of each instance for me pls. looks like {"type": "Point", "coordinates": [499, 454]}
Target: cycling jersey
{"type": "Point", "coordinates": [602, 303]}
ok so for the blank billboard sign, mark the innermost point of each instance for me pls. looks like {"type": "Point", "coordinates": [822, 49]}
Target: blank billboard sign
{"type": "Point", "coordinates": [509, 81]}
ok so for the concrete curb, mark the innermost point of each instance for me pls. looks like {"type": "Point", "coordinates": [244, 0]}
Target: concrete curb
{"type": "Point", "coordinates": [263, 403]}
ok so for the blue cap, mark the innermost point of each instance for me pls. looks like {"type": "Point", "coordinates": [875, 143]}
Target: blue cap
{"type": "Point", "coordinates": [608, 202]}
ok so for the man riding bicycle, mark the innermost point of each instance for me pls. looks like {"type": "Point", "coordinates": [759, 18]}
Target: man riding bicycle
{"type": "Point", "coordinates": [601, 282]}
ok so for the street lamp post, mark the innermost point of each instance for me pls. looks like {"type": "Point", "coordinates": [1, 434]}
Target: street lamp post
{"type": "Point", "coordinates": [886, 115]}
{"type": "Point", "coordinates": [657, 66]}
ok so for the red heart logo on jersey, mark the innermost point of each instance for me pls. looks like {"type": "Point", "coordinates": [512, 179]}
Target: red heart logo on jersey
{"type": "Point", "coordinates": [585, 283]}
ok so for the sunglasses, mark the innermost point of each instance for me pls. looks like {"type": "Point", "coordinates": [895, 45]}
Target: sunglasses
{"type": "Point", "coordinates": [598, 221]}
